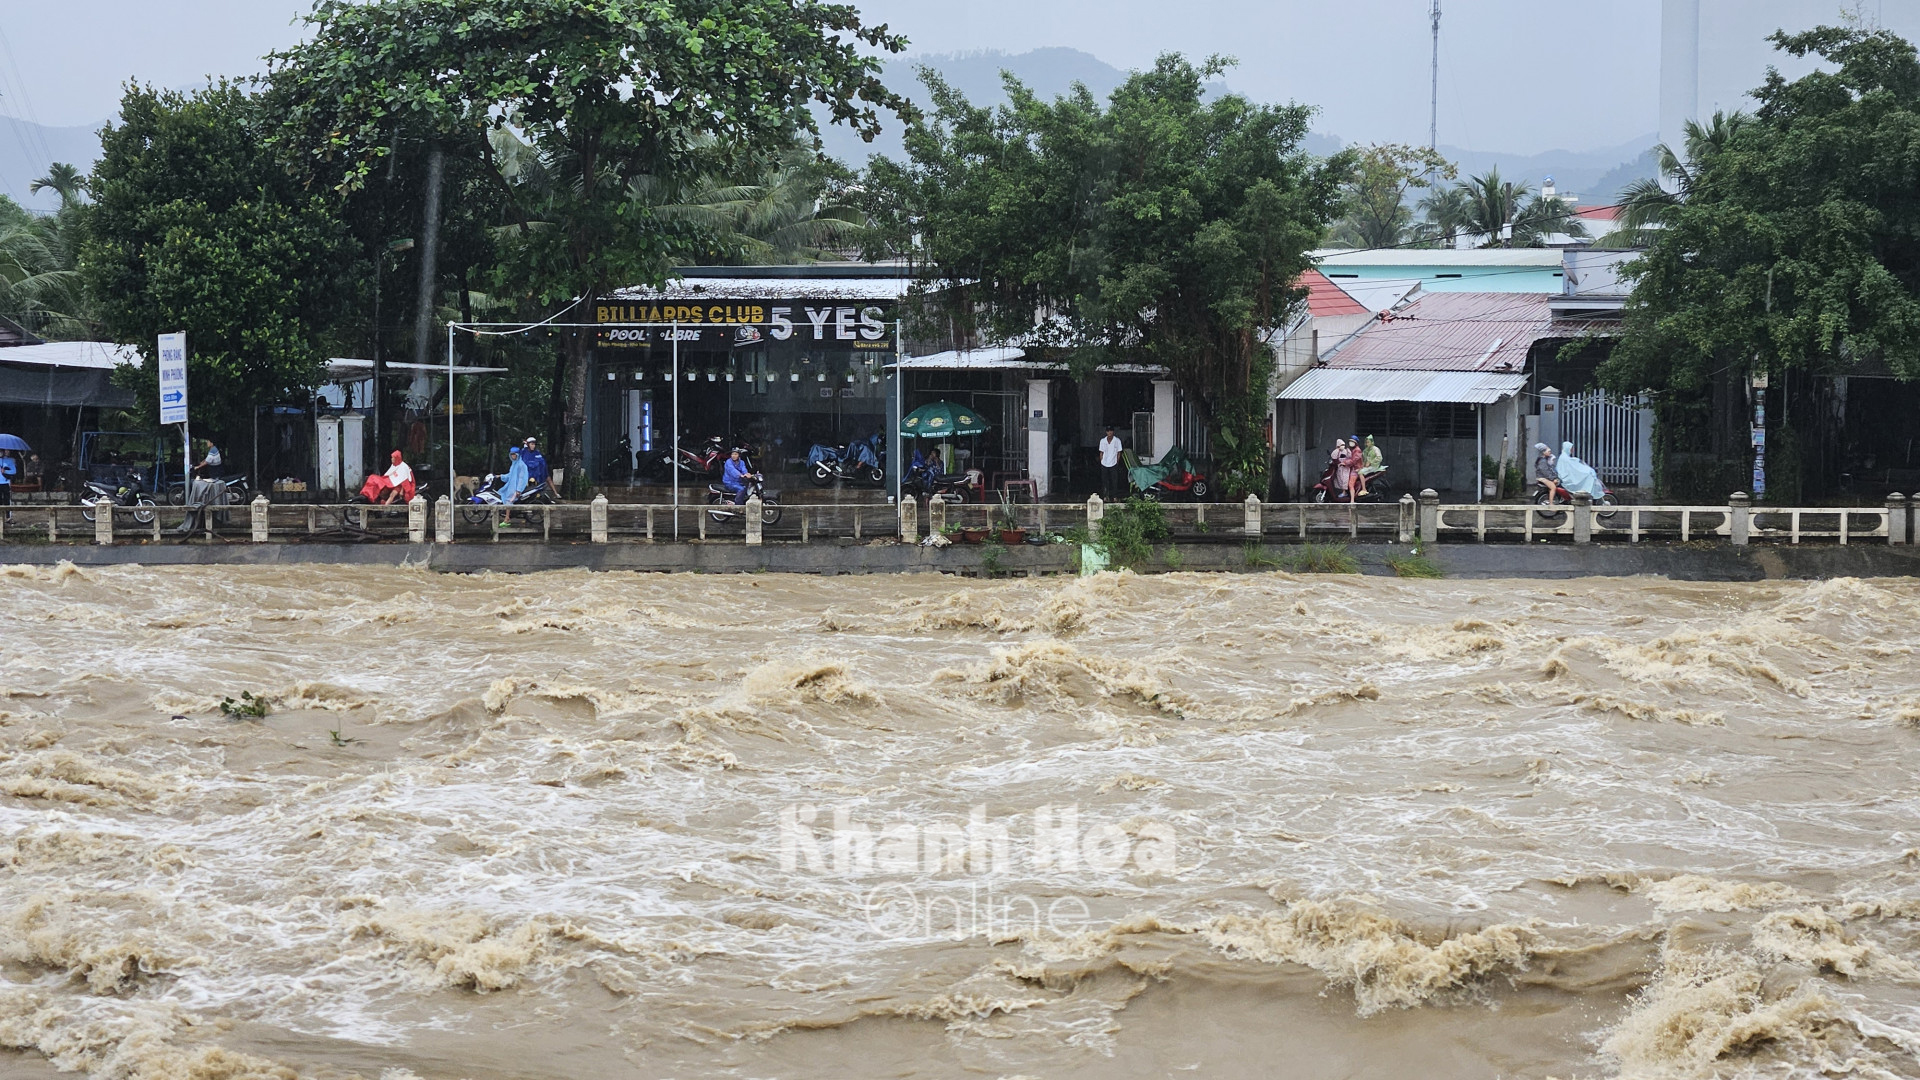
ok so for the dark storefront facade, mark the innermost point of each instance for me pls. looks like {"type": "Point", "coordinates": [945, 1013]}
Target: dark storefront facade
{"type": "Point", "coordinates": [781, 360]}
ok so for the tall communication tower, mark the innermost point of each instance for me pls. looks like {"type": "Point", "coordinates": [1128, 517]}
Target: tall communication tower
{"type": "Point", "coordinates": [1433, 124]}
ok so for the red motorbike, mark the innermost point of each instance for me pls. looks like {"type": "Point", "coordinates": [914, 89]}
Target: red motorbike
{"type": "Point", "coordinates": [1325, 491]}
{"type": "Point", "coordinates": [1170, 478]}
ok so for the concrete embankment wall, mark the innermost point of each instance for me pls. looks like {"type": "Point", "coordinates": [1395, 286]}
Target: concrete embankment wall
{"type": "Point", "coordinates": [1688, 562]}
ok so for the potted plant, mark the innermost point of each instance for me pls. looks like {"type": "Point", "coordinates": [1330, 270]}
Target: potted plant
{"type": "Point", "coordinates": [1006, 524]}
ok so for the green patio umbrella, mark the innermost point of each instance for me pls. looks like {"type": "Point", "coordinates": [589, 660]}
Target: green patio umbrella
{"type": "Point", "coordinates": [941, 420]}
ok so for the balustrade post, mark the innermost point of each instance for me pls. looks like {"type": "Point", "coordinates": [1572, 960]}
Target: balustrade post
{"type": "Point", "coordinates": [103, 522]}
{"type": "Point", "coordinates": [1582, 517]}
{"type": "Point", "coordinates": [417, 520]}
{"type": "Point", "coordinates": [1096, 509]}
{"type": "Point", "coordinates": [1897, 519]}
{"type": "Point", "coordinates": [597, 518]}
{"type": "Point", "coordinates": [1429, 516]}
{"type": "Point", "coordinates": [909, 520]}
{"type": "Point", "coordinates": [1253, 515]}
{"type": "Point", "coordinates": [1740, 506]}
{"type": "Point", "coordinates": [260, 523]}
{"type": "Point", "coordinates": [443, 520]}
{"type": "Point", "coordinates": [755, 527]}
{"type": "Point", "coordinates": [936, 515]}
{"type": "Point", "coordinates": [1409, 518]}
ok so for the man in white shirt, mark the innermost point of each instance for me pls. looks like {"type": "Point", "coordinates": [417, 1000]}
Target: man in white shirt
{"type": "Point", "coordinates": [1113, 477]}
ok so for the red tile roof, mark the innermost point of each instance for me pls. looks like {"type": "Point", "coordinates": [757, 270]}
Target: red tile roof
{"type": "Point", "coordinates": [1598, 213]}
{"type": "Point", "coordinates": [1325, 299]}
{"type": "Point", "coordinates": [1452, 331]}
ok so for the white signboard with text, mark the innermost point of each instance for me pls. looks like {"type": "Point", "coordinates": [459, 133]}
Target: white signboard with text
{"type": "Point", "coordinates": [173, 378]}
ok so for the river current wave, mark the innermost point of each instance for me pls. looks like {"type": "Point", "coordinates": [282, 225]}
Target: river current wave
{"type": "Point", "coordinates": [576, 825]}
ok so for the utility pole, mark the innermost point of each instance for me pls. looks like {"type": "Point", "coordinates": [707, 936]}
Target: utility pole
{"type": "Point", "coordinates": [1433, 124]}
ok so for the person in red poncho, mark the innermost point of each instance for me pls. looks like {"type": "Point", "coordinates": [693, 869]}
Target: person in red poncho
{"type": "Point", "coordinates": [396, 484]}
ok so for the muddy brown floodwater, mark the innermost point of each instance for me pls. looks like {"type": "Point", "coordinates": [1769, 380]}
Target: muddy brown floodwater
{"type": "Point", "coordinates": [580, 825]}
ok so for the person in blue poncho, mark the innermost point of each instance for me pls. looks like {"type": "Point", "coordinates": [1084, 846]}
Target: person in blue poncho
{"type": "Point", "coordinates": [1577, 475]}
{"type": "Point", "coordinates": [537, 471]}
{"type": "Point", "coordinates": [736, 477]}
{"type": "Point", "coordinates": [513, 484]}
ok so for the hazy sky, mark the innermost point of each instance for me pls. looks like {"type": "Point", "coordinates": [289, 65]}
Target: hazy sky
{"type": "Point", "coordinates": [1516, 75]}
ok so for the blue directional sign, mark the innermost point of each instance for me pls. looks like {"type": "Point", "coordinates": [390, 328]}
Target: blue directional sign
{"type": "Point", "coordinates": [173, 378]}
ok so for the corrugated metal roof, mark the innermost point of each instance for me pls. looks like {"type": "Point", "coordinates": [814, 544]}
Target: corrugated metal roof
{"type": "Point", "coordinates": [1449, 257]}
{"type": "Point", "coordinates": [1467, 387]}
{"type": "Point", "coordinates": [1325, 299]}
{"type": "Point", "coordinates": [1452, 331]}
{"type": "Point", "coordinates": [99, 355]}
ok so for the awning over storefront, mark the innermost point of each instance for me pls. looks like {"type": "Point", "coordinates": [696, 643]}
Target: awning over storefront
{"type": "Point", "coordinates": [65, 373]}
{"type": "Point", "coordinates": [1011, 358]}
{"type": "Point", "coordinates": [996, 358]}
{"type": "Point", "coordinates": [1349, 384]}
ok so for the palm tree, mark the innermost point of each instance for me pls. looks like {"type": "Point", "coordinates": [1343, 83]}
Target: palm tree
{"type": "Point", "coordinates": [65, 180]}
{"type": "Point", "coordinates": [39, 286]}
{"type": "Point", "coordinates": [1647, 204]}
{"type": "Point", "coordinates": [1445, 211]}
{"type": "Point", "coordinates": [787, 214]}
{"type": "Point", "coordinates": [1501, 213]}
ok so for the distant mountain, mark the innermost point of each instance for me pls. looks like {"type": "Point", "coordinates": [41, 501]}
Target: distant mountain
{"type": "Point", "coordinates": [27, 149]}
{"type": "Point", "coordinates": [1049, 72]}
{"type": "Point", "coordinates": [1596, 176]}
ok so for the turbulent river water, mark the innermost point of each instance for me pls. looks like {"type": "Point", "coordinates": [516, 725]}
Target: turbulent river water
{"type": "Point", "coordinates": [582, 825]}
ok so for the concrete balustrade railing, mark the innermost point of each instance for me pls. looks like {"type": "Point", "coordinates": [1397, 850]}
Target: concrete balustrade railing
{"type": "Point", "coordinates": [1425, 518]}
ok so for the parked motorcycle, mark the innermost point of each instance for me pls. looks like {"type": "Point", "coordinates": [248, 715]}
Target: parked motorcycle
{"type": "Point", "coordinates": [925, 478]}
{"type": "Point", "coordinates": [856, 463]}
{"type": "Point", "coordinates": [706, 461]}
{"type": "Point", "coordinates": [233, 490]}
{"type": "Point", "coordinates": [721, 507]}
{"type": "Point", "coordinates": [125, 493]}
{"type": "Point", "coordinates": [1171, 477]}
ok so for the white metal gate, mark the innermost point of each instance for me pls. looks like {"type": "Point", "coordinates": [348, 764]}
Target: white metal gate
{"type": "Point", "coordinates": [1612, 434]}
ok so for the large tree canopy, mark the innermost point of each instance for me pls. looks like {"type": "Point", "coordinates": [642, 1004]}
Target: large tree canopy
{"type": "Point", "coordinates": [1797, 243]}
{"type": "Point", "coordinates": [1167, 226]}
{"type": "Point", "coordinates": [611, 95]}
{"type": "Point", "coordinates": [195, 227]}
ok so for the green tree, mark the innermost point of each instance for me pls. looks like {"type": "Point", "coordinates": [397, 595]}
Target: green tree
{"type": "Point", "coordinates": [1797, 246]}
{"type": "Point", "coordinates": [1504, 214]}
{"type": "Point", "coordinates": [196, 227]}
{"type": "Point", "coordinates": [1647, 204]}
{"type": "Point", "coordinates": [795, 210]}
{"type": "Point", "coordinates": [1168, 226]}
{"type": "Point", "coordinates": [1444, 212]}
{"type": "Point", "coordinates": [39, 286]}
{"type": "Point", "coordinates": [1376, 211]}
{"type": "Point", "coordinates": [63, 180]}
{"type": "Point", "coordinates": [607, 92]}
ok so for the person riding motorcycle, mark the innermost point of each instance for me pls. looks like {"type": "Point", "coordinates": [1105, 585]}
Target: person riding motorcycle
{"type": "Point", "coordinates": [538, 474]}
{"type": "Point", "coordinates": [736, 477]}
{"type": "Point", "coordinates": [1545, 473]}
{"type": "Point", "coordinates": [513, 485]}
{"type": "Point", "coordinates": [1372, 463]}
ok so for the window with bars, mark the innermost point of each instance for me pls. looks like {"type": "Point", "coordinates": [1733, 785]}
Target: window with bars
{"type": "Point", "coordinates": [1414, 419]}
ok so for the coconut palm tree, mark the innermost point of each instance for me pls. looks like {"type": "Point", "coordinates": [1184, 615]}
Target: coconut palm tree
{"type": "Point", "coordinates": [1445, 211]}
{"type": "Point", "coordinates": [1501, 213]}
{"type": "Point", "coordinates": [39, 286]}
{"type": "Point", "coordinates": [1646, 204]}
{"type": "Point", "coordinates": [787, 214]}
